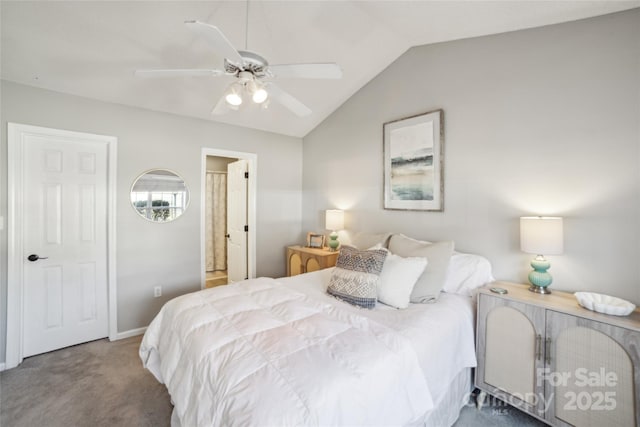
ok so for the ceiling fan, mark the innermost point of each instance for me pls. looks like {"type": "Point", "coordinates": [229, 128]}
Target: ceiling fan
{"type": "Point", "coordinates": [252, 74]}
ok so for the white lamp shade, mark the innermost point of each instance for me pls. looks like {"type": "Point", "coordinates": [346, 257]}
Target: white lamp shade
{"type": "Point", "coordinates": [334, 219]}
{"type": "Point", "coordinates": [541, 235]}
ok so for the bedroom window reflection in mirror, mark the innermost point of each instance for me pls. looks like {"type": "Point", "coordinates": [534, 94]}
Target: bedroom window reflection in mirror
{"type": "Point", "coordinates": [159, 195]}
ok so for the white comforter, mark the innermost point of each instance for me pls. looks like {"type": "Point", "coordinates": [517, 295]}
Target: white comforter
{"type": "Point", "coordinates": [261, 353]}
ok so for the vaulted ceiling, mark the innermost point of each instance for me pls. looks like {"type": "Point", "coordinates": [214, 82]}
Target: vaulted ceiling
{"type": "Point", "coordinates": [91, 48]}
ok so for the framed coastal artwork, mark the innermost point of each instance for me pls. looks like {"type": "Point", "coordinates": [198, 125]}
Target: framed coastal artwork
{"type": "Point", "coordinates": [413, 162]}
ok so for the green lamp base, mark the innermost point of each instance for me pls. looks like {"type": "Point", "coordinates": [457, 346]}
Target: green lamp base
{"type": "Point", "coordinates": [333, 242]}
{"type": "Point", "coordinates": [539, 278]}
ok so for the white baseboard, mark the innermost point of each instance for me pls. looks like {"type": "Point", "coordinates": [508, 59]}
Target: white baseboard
{"type": "Point", "coordinates": [130, 333]}
{"type": "Point", "coordinates": [2, 365]}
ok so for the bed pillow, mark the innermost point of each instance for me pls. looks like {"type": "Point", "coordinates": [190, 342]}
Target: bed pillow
{"type": "Point", "coordinates": [364, 240]}
{"type": "Point", "coordinates": [397, 279]}
{"type": "Point", "coordinates": [466, 273]}
{"type": "Point", "coordinates": [438, 254]}
{"type": "Point", "coordinates": [355, 277]}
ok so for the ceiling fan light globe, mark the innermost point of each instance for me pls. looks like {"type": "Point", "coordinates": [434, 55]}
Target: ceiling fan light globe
{"type": "Point", "coordinates": [233, 99]}
{"type": "Point", "coordinates": [260, 95]}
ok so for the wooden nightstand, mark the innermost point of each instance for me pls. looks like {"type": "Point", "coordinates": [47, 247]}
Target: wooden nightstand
{"type": "Point", "coordinates": [301, 259]}
{"type": "Point", "coordinates": [558, 361]}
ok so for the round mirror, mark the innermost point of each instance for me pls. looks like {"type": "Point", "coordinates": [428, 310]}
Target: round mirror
{"type": "Point", "coordinates": [159, 195]}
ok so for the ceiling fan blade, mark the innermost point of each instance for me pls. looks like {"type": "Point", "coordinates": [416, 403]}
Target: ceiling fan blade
{"type": "Point", "coordinates": [288, 101]}
{"type": "Point", "coordinates": [307, 71]}
{"type": "Point", "coordinates": [219, 42]}
{"type": "Point", "coordinates": [178, 73]}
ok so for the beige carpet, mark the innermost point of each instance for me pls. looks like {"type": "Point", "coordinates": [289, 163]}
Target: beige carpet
{"type": "Point", "coordinates": [100, 383]}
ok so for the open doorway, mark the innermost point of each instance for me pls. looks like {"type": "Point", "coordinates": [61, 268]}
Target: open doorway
{"type": "Point", "coordinates": [228, 217]}
{"type": "Point", "coordinates": [215, 228]}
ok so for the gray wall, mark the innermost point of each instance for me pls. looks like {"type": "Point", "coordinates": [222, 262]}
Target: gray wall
{"type": "Point", "coordinates": [541, 121]}
{"type": "Point", "coordinates": [151, 254]}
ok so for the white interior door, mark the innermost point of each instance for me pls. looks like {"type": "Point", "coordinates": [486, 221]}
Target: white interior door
{"type": "Point", "coordinates": [237, 220]}
{"type": "Point", "coordinates": [64, 205]}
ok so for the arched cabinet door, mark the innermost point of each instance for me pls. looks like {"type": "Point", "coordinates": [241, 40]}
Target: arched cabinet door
{"type": "Point", "coordinates": [510, 352]}
{"type": "Point", "coordinates": [295, 265]}
{"type": "Point", "coordinates": [312, 265]}
{"type": "Point", "coordinates": [593, 377]}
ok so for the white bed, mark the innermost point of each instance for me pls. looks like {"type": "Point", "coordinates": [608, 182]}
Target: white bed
{"type": "Point", "coordinates": [283, 352]}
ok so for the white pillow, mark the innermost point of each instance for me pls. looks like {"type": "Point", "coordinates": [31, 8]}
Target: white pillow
{"type": "Point", "coordinates": [397, 279]}
{"type": "Point", "coordinates": [467, 272]}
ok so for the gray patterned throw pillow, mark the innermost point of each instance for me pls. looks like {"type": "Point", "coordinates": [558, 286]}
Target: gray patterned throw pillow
{"type": "Point", "coordinates": [355, 277]}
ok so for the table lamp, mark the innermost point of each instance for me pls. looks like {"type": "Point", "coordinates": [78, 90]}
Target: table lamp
{"type": "Point", "coordinates": [541, 235]}
{"type": "Point", "coordinates": [334, 221]}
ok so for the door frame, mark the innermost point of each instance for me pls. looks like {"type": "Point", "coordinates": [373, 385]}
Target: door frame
{"type": "Point", "coordinates": [252, 161]}
{"type": "Point", "coordinates": [15, 224]}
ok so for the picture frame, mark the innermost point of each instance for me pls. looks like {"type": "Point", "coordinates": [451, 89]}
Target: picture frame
{"type": "Point", "coordinates": [413, 152]}
{"type": "Point", "coordinates": [315, 240]}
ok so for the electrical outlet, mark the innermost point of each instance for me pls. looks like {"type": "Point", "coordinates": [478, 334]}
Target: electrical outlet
{"type": "Point", "coordinates": [157, 291]}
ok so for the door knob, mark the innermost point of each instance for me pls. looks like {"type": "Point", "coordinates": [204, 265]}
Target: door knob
{"type": "Point", "coordinates": [228, 236]}
{"type": "Point", "coordinates": [34, 257]}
